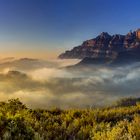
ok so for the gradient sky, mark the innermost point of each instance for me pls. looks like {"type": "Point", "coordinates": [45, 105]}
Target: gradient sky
{"type": "Point", "coordinates": [44, 28]}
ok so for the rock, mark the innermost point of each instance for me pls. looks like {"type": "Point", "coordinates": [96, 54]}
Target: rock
{"type": "Point", "coordinates": [104, 46]}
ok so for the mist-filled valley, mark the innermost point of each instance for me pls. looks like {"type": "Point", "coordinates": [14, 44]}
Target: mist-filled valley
{"type": "Point", "coordinates": [44, 83]}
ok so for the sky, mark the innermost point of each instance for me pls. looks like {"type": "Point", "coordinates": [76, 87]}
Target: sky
{"type": "Point", "coordinates": [45, 28]}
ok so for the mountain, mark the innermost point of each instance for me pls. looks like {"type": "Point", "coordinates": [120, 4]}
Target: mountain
{"type": "Point", "coordinates": [24, 64]}
{"type": "Point", "coordinates": [106, 49]}
{"type": "Point", "coordinates": [123, 58]}
{"type": "Point", "coordinates": [104, 45]}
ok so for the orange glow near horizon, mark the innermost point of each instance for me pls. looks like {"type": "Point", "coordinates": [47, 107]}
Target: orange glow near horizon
{"type": "Point", "coordinates": [35, 54]}
{"type": "Point", "coordinates": [31, 50]}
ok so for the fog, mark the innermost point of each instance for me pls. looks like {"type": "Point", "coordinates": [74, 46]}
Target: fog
{"type": "Point", "coordinates": [40, 83]}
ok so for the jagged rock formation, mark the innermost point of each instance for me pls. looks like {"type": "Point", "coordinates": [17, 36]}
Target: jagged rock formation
{"type": "Point", "coordinates": [105, 46]}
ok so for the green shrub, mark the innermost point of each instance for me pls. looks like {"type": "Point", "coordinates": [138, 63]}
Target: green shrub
{"type": "Point", "coordinates": [17, 122]}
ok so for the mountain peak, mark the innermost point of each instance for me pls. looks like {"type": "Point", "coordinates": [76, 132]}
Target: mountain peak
{"type": "Point", "coordinates": [104, 45]}
{"type": "Point", "coordinates": [105, 35]}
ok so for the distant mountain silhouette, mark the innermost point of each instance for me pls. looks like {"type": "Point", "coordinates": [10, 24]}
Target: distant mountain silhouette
{"type": "Point", "coordinates": [25, 64]}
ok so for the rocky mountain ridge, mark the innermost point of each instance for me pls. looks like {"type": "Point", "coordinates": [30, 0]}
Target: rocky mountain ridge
{"type": "Point", "coordinates": [105, 46]}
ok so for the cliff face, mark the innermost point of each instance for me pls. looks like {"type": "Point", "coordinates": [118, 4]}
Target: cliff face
{"type": "Point", "coordinates": [105, 46]}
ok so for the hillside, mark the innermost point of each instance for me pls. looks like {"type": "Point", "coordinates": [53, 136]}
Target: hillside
{"type": "Point", "coordinates": [121, 122]}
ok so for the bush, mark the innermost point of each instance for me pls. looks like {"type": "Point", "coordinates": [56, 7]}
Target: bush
{"type": "Point", "coordinates": [17, 122]}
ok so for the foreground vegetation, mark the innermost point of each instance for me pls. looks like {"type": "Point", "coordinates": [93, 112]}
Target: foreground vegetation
{"type": "Point", "coordinates": [17, 122]}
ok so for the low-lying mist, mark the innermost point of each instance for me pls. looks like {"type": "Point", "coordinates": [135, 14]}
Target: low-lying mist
{"type": "Point", "coordinates": [48, 84]}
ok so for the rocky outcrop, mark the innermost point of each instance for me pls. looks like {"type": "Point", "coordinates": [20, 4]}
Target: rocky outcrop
{"type": "Point", "coordinates": [105, 46]}
{"type": "Point", "coordinates": [122, 58]}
